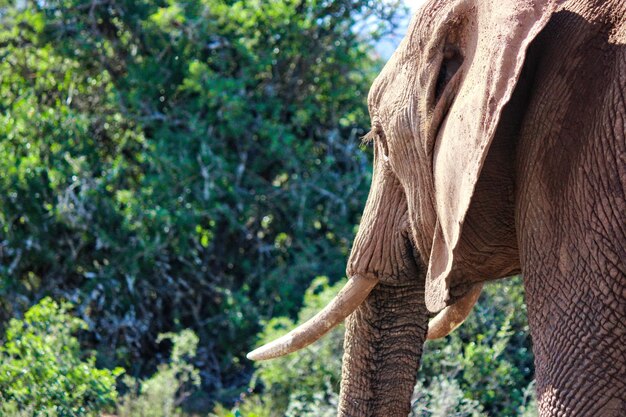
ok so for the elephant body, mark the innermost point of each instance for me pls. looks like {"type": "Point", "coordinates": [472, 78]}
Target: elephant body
{"type": "Point", "coordinates": [499, 133]}
{"type": "Point", "coordinates": [571, 211]}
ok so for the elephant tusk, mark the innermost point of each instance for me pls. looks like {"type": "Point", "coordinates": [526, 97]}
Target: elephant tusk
{"type": "Point", "coordinates": [349, 298]}
{"type": "Point", "coordinates": [453, 315]}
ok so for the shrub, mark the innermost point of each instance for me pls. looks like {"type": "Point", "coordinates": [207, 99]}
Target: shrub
{"type": "Point", "coordinates": [490, 355]}
{"type": "Point", "coordinates": [162, 394]}
{"type": "Point", "coordinates": [443, 398]}
{"type": "Point", "coordinates": [42, 368]}
{"type": "Point", "coordinates": [192, 162]}
{"type": "Point", "coordinates": [303, 384]}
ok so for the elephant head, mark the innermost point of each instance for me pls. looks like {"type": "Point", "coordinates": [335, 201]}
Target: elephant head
{"type": "Point", "coordinates": [442, 111]}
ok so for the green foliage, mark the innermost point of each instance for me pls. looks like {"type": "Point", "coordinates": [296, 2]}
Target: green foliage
{"type": "Point", "coordinates": [13, 409]}
{"type": "Point", "coordinates": [489, 355]}
{"type": "Point", "coordinates": [302, 384]}
{"type": "Point", "coordinates": [181, 164]}
{"type": "Point", "coordinates": [443, 398]}
{"type": "Point", "coordinates": [41, 368]}
{"type": "Point", "coordinates": [162, 394]}
{"type": "Point", "coordinates": [322, 360]}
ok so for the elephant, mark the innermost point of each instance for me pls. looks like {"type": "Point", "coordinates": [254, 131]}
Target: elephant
{"type": "Point", "coordinates": [499, 140]}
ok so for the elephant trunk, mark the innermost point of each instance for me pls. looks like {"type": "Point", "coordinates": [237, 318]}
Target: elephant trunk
{"type": "Point", "coordinates": [386, 333]}
{"type": "Point", "coordinates": [382, 351]}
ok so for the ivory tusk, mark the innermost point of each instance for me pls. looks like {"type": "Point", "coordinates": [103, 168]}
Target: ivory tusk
{"type": "Point", "coordinates": [349, 298]}
{"type": "Point", "coordinates": [453, 315]}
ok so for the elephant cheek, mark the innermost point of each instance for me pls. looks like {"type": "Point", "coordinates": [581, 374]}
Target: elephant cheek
{"type": "Point", "coordinates": [380, 249]}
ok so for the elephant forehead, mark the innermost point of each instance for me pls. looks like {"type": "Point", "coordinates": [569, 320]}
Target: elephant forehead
{"type": "Point", "coordinates": [383, 82]}
{"type": "Point", "coordinates": [397, 103]}
{"type": "Point", "coordinates": [407, 51]}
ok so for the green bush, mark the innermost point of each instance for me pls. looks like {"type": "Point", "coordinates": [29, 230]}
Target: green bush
{"type": "Point", "coordinates": [303, 384]}
{"type": "Point", "coordinates": [490, 355]}
{"type": "Point", "coordinates": [443, 398]}
{"type": "Point", "coordinates": [162, 394]}
{"type": "Point", "coordinates": [11, 408]}
{"type": "Point", "coordinates": [42, 368]}
{"type": "Point", "coordinates": [181, 164]}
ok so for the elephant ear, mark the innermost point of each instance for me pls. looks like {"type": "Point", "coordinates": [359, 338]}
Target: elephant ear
{"type": "Point", "coordinates": [492, 38]}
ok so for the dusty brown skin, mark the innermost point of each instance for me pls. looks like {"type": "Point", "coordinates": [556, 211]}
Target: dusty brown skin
{"type": "Point", "coordinates": [499, 148]}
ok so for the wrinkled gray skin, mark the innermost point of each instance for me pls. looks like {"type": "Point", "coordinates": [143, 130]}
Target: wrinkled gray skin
{"type": "Point", "coordinates": [499, 147]}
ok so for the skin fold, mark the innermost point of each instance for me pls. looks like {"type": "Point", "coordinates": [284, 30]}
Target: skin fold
{"type": "Point", "coordinates": [499, 147]}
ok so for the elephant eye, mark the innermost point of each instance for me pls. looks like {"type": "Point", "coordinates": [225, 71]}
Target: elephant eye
{"type": "Point", "coordinates": [382, 141]}
{"type": "Point", "coordinates": [450, 64]}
